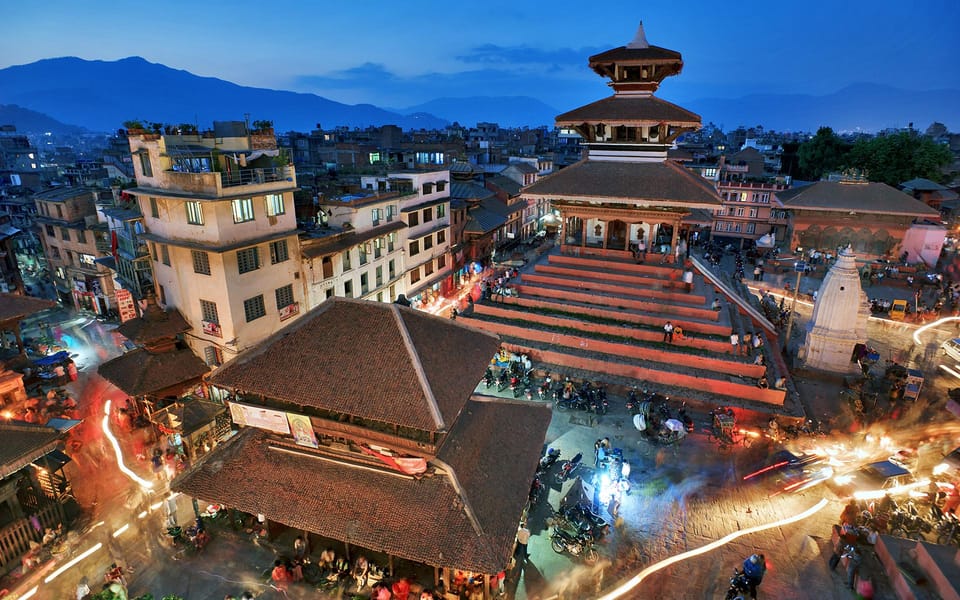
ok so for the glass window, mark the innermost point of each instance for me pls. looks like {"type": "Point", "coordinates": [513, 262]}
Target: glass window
{"type": "Point", "coordinates": [165, 254]}
{"type": "Point", "coordinates": [392, 271]}
{"type": "Point", "coordinates": [428, 268]}
{"type": "Point", "coordinates": [212, 356]}
{"type": "Point", "coordinates": [414, 248]}
{"type": "Point", "coordinates": [364, 283]}
{"type": "Point", "coordinates": [391, 242]}
{"type": "Point", "coordinates": [415, 275]}
{"type": "Point", "coordinates": [82, 236]}
{"type": "Point", "coordinates": [242, 210]}
{"type": "Point", "coordinates": [248, 260]}
{"type": "Point", "coordinates": [194, 212]}
{"type": "Point", "coordinates": [362, 248]}
{"type": "Point", "coordinates": [346, 261]}
{"type": "Point", "coordinates": [348, 289]}
{"type": "Point", "coordinates": [441, 236]}
{"type": "Point", "coordinates": [428, 187]}
{"type": "Point", "coordinates": [145, 164]}
{"type": "Point", "coordinates": [201, 262]}
{"type": "Point", "coordinates": [391, 212]}
{"type": "Point", "coordinates": [375, 215]}
{"type": "Point", "coordinates": [441, 211]}
{"type": "Point", "coordinates": [441, 185]}
{"type": "Point", "coordinates": [50, 231]}
{"type": "Point", "coordinates": [427, 215]}
{"type": "Point", "coordinates": [379, 275]}
{"type": "Point", "coordinates": [208, 312]}
{"type": "Point", "coordinates": [64, 234]}
{"type": "Point", "coordinates": [275, 205]}
{"type": "Point", "coordinates": [378, 247]}
{"type": "Point", "coordinates": [278, 252]}
{"type": "Point", "coordinates": [441, 261]}
{"type": "Point", "coordinates": [154, 208]}
{"type": "Point", "coordinates": [253, 308]}
{"type": "Point", "coordinates": [284, 296]}
{"type": "Point", "coordinates": [413, 219]}
{"type": "Point", "coordinates": [428, 242]}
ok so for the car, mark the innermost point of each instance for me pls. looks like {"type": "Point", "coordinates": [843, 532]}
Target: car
{"type": "Point", "coordinates": [950, 464]}
{"type": "Point", "coordinates": [791, 472]}
{"type": "Point", "coordinates": [876, 479]}
{"type": "Point", "coordinates": [951, 348]}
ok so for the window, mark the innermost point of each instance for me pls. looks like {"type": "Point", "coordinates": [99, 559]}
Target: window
{"type": "Point", "coordinates": [212, 356]}
{"type": "Point", "coordinates": [362, 248]}
{"type": "Point", "coordinates": [752, 212]}
{"type": "Point", "coordinates": [348, 289]}
{"type": "Point", "coordinates": [751, 228]}
{"type": "Point", "coordinates": [378, 247]}
{"type": "Point", "coordinates": [165, 254]}
{"type": "Point", "coordinates": [346, 261]}
{"type": "Point", "coordinates": [428, 187]}
{"type": "Point", "coordinates": [64, 234]}
{"type": "Point", "coordinates": [441, 261]}
{"type": "Point", "coordinates": [428, 242]}
{"type": "Point", "coordinates": [82, 236]}
{"type": "Point", "coordinates": [242, 210]}
{"type": "Point", "coordinates": [55, 252]}
{"type": "Point", "coordinates": [50, 231]}
{"type": "Point", "coordinates": [278, 252]}
{"type": "Point", "coordinates": [718, 226]}
{"type": "Point", "coordinates": [441, 236]}
{"type": "Point", "coordinates": [427, 215]}
{"type": "Point", "coordinates": [59, 212]}
{"type": "Point", "coordinates": [414, 248]}
{"type": "Point", "coordinates": [274, 205]}
{"type": "Point", "coordinates": [248, 260]}
{"type": "Point", "coordinates": [201, 262]}
{"type": "Point", "coordinates": [428, 268]}
{"type": "Point", "coordinates": [208, 312]}
{"type": "Point", "coordinates": [154, 208]}
{"type": "Point", "coordinates": [392, 271]}
{"type": "Point", "coordinates": [391, 212]}
{"type": "Point", "coordinates": [69, 257]}
{"type": "Point", "coordinates": [391, 242]}
{"type": "Point", "coordinates": [284, 296]}
{"type": "Point", "coordinates": [739, 211]}
{"type": "Point", "coordinates": [194, 212]}
{"type": "Point", "coordinates": [364, 283]}
{"type": "Point", "coordinates": [441, 185]}
{"type": "Point", "coordinates": [253, 308]}
{"type": "Point", "coordinates": [375, 215]}
{"type": "Point", "coordinates": [379, 276]}
{"type": "Point", "coordinates": [145, 165]}
{"type": "Point", "coordinates": [153, 251]}
{"type": "Point", "coordinates": [413, 219]}
{"type": "Point", "coordinates": [415, 275]}
{"type": "Point", "coordinates": [441, 211]}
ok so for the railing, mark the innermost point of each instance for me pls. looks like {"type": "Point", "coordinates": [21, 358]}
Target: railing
{"type": "Point", "coordinates": [254, 176]}
{"type": "Point", "coordinates": [15, 538]}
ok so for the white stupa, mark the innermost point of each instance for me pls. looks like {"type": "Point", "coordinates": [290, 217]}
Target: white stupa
{"type": "Point", "coordinates": [839, 319]}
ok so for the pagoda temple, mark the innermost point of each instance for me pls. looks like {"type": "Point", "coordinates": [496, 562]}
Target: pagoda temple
{"type": "Point", "coordinates": [625, 189]}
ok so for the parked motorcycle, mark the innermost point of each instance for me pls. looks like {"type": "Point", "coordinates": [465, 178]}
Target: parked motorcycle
{"type": "Point", "coordinates": [569, 467]}
{"type": "Point", "coordinates": [685, 418]}
{"type": "Point", "coordinates": [544, 390]}
{"type": "Point", "coordinates": [947, 528]}
{"type": "Point", "coordinates": [562, 541]}
{"type": "Point", "coordinates": [536, 490]}
{"type": "Point", "coordinates": [739, 586]}
{"type": "Point", "coordinates": [547, 460]}
{"type": "Point", "coordinates": [503, 380]}
{"type": "Point", "coordinates": [489, 378]}
{"type": "Point", "coordinates": [584, 520]}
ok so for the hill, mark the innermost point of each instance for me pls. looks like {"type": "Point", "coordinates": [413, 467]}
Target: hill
{"type": "Point", "coordinates": [29, 121]}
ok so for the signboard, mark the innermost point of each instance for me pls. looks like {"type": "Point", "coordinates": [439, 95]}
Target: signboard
{"type": "Point", "coordinates": [211, 328]}
{"type": "Point", "coordinates": [302, 430]}
{"type": "Point", "coordinates": [262, 418]}
{"type": "Point", "coordinates": [800, 266]}
{"type": "Point", "coordinates": [289, 310]}
{"type": "Point", "coordinates": [125, 305]}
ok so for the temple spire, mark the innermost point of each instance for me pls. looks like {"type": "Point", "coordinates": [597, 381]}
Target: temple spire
{"type": "Point", "coordinates": [640, 39]}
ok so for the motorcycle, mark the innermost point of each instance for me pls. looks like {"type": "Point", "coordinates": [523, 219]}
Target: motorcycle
{"type": "Point", "coordinates": [503, 380]}
{"type": "Point", "coordinates": [515, 386]}
{"type": "Point", "coordinates": [488, 378]}
{"type": "Point", "coordinates": [584, 520]}
{"type": "Point", "coordinates": [547, 460]}
{"type": "Point", "coordinates": [685, 418]}
{"type": "Point", "coordinates": [569, 467]}
{"type": "Point", "coordinates": [739, 586]}
{"type": "Point", "coordinates": [561, 542]}
{"type": "Point", "coordinates": [536, 490]}
{"type": "Point", "coordinates": [544, 389]}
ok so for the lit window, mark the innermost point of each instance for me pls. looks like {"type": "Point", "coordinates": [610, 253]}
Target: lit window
{"type": "Point", "coordinates": [194, 213]}
{"type": "Point", "coordinates": [275, 205]}
{"type": "Point", "coordinates": [242, 210]}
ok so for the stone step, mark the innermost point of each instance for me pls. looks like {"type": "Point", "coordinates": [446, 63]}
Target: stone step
{"type": "Point", "coordinates": [618, 302]}
{"type": "Point", "coordinates": [614, 289]}
{"type": "Point", "coordinates": [624, 265]}
{"type": "Point", "coordinates": [594, 274]}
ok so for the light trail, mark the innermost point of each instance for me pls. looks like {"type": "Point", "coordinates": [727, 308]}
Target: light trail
{"type": "Point", "coordinates": [72, 562]}
{"type": "Point", "coordinates": [951, 371]}
{"type": "Point", "coordinates": [916, 334]}
{"type": "Point", "coordinates": [657, 566]}
{"type": "Point", "coordinates": [765, 469]}
{"type": "Point", "coordinates": [120, 531]}
{"type": "Point", "coordinates": [116, 449]}
{"type": "Point", "coordinates": [30, 594]}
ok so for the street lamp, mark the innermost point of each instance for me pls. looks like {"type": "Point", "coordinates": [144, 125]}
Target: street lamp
{"type": "Point", "coordinates": [799, 266]}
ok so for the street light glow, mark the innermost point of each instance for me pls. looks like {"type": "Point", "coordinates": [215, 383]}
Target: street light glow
{"type": "Point", "coordinates": [657, 566]}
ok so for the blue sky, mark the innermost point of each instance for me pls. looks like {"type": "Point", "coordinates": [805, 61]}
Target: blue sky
{"type": "Point", "coordinates": [395, 54]}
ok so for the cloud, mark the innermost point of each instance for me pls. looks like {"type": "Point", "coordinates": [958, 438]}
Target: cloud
{"type": "Point", "coordinates": [527, 55]}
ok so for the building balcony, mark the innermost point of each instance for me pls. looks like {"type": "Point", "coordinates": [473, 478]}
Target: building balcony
{"type": "Point", "coordinates": [253, 181]}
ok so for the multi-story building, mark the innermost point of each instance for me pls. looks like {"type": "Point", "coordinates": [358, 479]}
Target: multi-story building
{"type": "Point", "coordinates": [124, 252]}
{"type": "Point", "coordinates": [219, 221]}
{"type": "Point", "coordinates": [750, 210]}
{"type": "Point", "coordinates": [67, 221]}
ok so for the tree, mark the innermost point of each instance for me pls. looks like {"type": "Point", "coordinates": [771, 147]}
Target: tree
{"type": "Point", "coordinates": [820, 155]}
{"type": "Point", "coordinates": [893, 159]}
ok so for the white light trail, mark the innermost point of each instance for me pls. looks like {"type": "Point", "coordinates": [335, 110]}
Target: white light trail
{"type": "Point", "coordinates": [72, 562]}
{"type": "Point", "coordinates": [116, 449]}
{"type": "Point", "coordinates": [142, 515]}
{"type": "Point", "coordinates": [951, 371]}
{"type": "Point", "coordinates": [916, 334]}
{"type": "Point", "coordinates": [31, 593]}
{"type": "Point", "coordinates": [156, 505]}
{"type": "Point", "coordinates": [120, 531]}
{"type": "Point", "coordinates": [650, 570]}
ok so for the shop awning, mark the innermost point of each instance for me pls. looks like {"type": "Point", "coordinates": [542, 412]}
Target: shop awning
{"type": "Point", "coordinates": [53, 359]}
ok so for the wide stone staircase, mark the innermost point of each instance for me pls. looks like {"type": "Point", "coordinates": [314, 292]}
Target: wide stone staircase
{"type": "Point", "coordinates": [605, 317]}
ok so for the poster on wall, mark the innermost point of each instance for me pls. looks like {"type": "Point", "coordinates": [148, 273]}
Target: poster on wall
{"type": "Point", "coordinates": [302, 430]}
{"type": "Point", "coordinates": [125, 305]}
{"type": "Point", "coordinates": [253, 416]}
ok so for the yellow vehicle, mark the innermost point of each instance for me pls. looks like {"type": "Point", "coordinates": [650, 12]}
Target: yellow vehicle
{"type": "Point", "coordinates": [898, 310]}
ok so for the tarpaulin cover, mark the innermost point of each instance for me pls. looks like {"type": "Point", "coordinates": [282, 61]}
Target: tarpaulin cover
{"type": "Point", "coordinates": [53, 359]}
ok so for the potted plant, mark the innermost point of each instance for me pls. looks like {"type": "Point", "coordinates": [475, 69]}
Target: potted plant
{"type": "Point", "coordinates": [134, 127]}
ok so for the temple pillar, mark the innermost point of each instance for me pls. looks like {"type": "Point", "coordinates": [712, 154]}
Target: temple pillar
{"type": "Point", "coordinates": [674, 238]}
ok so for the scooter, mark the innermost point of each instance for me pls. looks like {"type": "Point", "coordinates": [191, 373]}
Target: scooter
{"type": "Point", "coordinates": [569, 467]}
{"type": "Point", "coordinates": [547, 460]}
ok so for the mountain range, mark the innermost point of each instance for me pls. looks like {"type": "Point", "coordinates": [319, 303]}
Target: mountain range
{"type": "Point", "coordinates": [101, 95]}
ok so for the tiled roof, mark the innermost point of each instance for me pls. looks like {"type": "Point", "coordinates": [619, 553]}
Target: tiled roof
{"type": "Point", "coordinates": [469, 191]}
{"type": "Point", "coordinates": [155, 323]}
{"type": "Point", "coordinates": [23, 444]}
{"type": "Point", "coordinates": [649, 183]}
{"type": "Point", "coordinates": [506, 184]}
{"type": "Point", "coordinates": [141, 372]}
{"type": "Point", "coordinates": [191, 413]}
{"type": "Point", "coordinates": [859, 197]}
{"type": "Point", "coordinates": [61, 194]}
{"type": "Point", "coordinates": [363, 358]}
{"type": "Point", "coordinates": [483, 220]}
{"type": "Point", "coordinates": [650, 54]}
{"type": "Point", "coordinates": [468, 521]}
{"type": "Point", "coordinates": [523, 167]}
{"type": "Point", "coordinates": [628, 109]}
{"type": "Point", "coordinates": [921, 185]}
{"type": "Point", "coordinates": [14, 306]}
{"type": "Point", "coordinates": [312, 248]}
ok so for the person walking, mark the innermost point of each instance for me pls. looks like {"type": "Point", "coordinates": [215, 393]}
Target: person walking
{"type": "Point", "coordinates": [753, 568]}
{"type": "Point", "coordinates": [854, 559]}
{"type": "Point", "coordinates": [523, 538]}
{"type": "Point", "coordinates": [756, 273]}
{"type": "Point", "coordinates": [734, 342]}
{"type": "Point", "coordinates": [281, 576]}
{"type": "Point", "coordinates": [642, 250]}
{"type": "Point", "coordinates": [668, 332]}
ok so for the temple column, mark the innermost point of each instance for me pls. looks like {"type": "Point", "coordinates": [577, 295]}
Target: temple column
{"type": "Point", "coordinates": [674, 238]}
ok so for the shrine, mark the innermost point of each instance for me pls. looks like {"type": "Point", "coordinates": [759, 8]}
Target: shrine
{"type": "Point", "coordinates": [625, 198]}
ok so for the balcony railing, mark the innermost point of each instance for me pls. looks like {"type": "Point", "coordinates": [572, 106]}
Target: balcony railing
{"type": "Point", "coordinates": [254, 176]}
